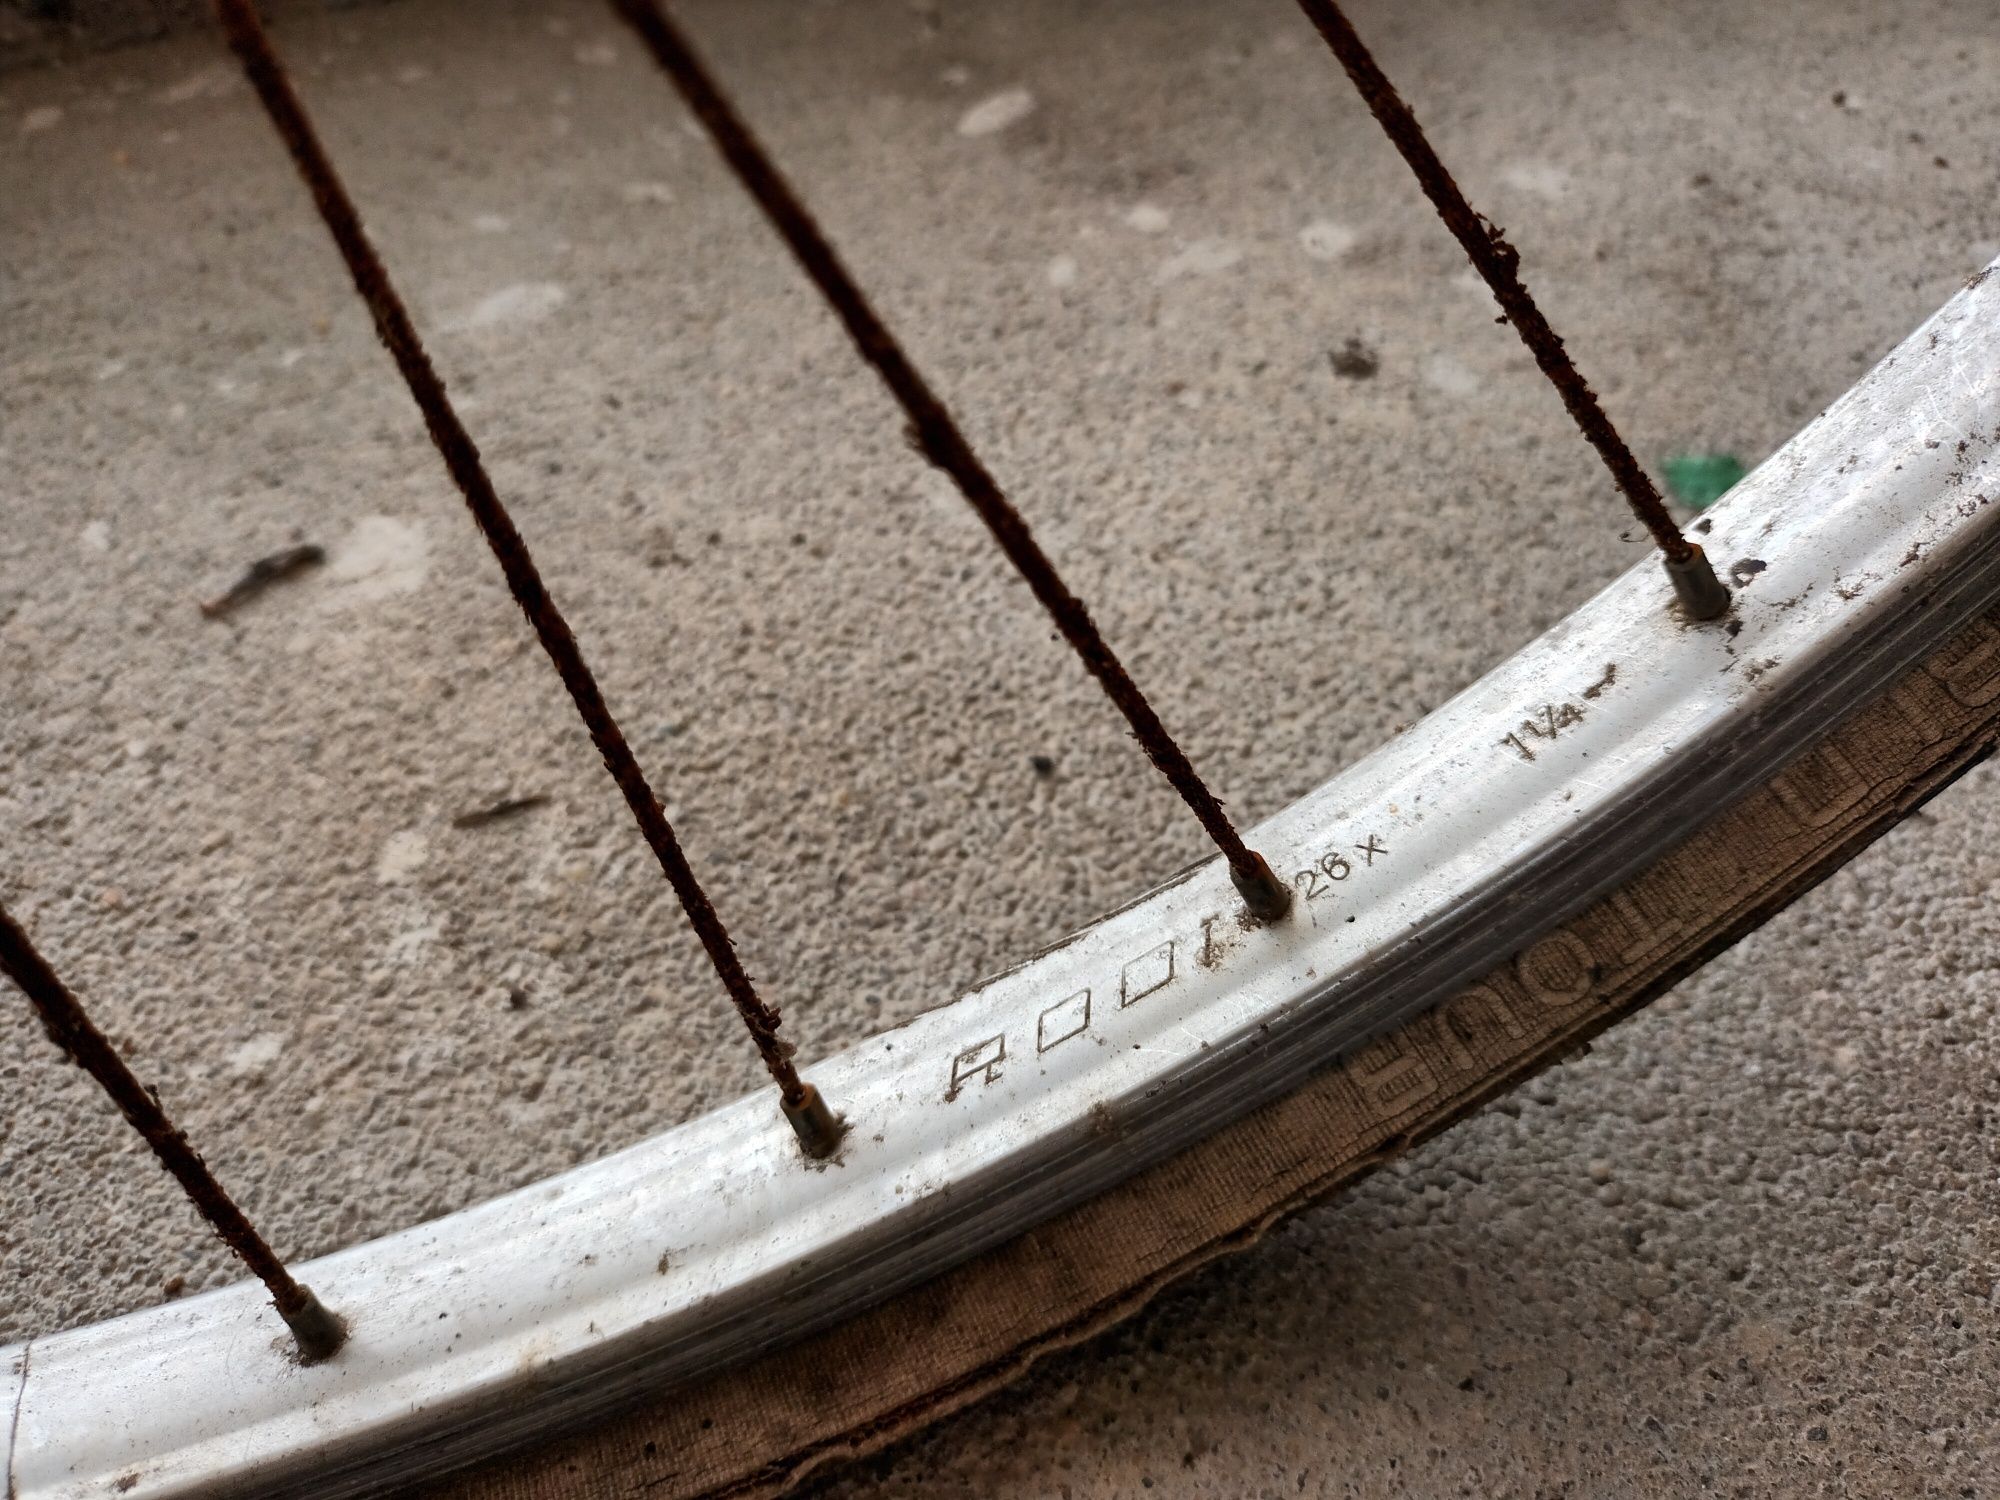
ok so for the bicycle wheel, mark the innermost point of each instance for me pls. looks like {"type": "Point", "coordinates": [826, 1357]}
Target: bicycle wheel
{"type": "Point", "coordinates": [1570, 775]}
{"type": "Point", "coordinates": [1874, 561]}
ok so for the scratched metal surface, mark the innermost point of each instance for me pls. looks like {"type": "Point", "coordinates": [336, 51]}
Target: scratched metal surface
{"type": "Point", "coordinates": [1503, 812]}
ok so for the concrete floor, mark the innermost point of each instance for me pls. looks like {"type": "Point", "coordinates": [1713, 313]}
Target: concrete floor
{"type": "Point", "coordinates": [1748, 1246]}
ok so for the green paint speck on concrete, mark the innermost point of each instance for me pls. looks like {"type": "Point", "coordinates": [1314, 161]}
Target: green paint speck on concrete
{"type": "Point", "coordinates": [1698, 480]}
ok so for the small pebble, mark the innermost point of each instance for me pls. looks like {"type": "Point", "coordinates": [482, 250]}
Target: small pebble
{"type": "Point", "coordinates": [1354, 360]}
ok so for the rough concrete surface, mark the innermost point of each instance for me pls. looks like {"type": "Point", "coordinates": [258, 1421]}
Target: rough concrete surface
{"type": "Point", "coordinates": [62, 31]}
{"type": "Point", "coordinates": [1234, 372]}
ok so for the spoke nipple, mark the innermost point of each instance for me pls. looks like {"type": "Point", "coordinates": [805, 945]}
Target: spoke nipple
{"type": "Point", "coordinates": [819, 1129]}
{"type": "Point", "coordinates": [1268, 897]}
{"type": "Point", "coordinates": [319, 1330]}
{"type": "Point", "coordinates": [1701, 593]}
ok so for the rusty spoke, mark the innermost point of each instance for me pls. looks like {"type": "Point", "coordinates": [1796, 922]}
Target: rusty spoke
{"type": "Point", "coordinates": [936, 434]}
{"type": "Point", "coordinates": [1499, 264]}
{"type": "Point", "coordinates": [818, 1131]}
{"type": "Point", "coordinates": [319, 1332]}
